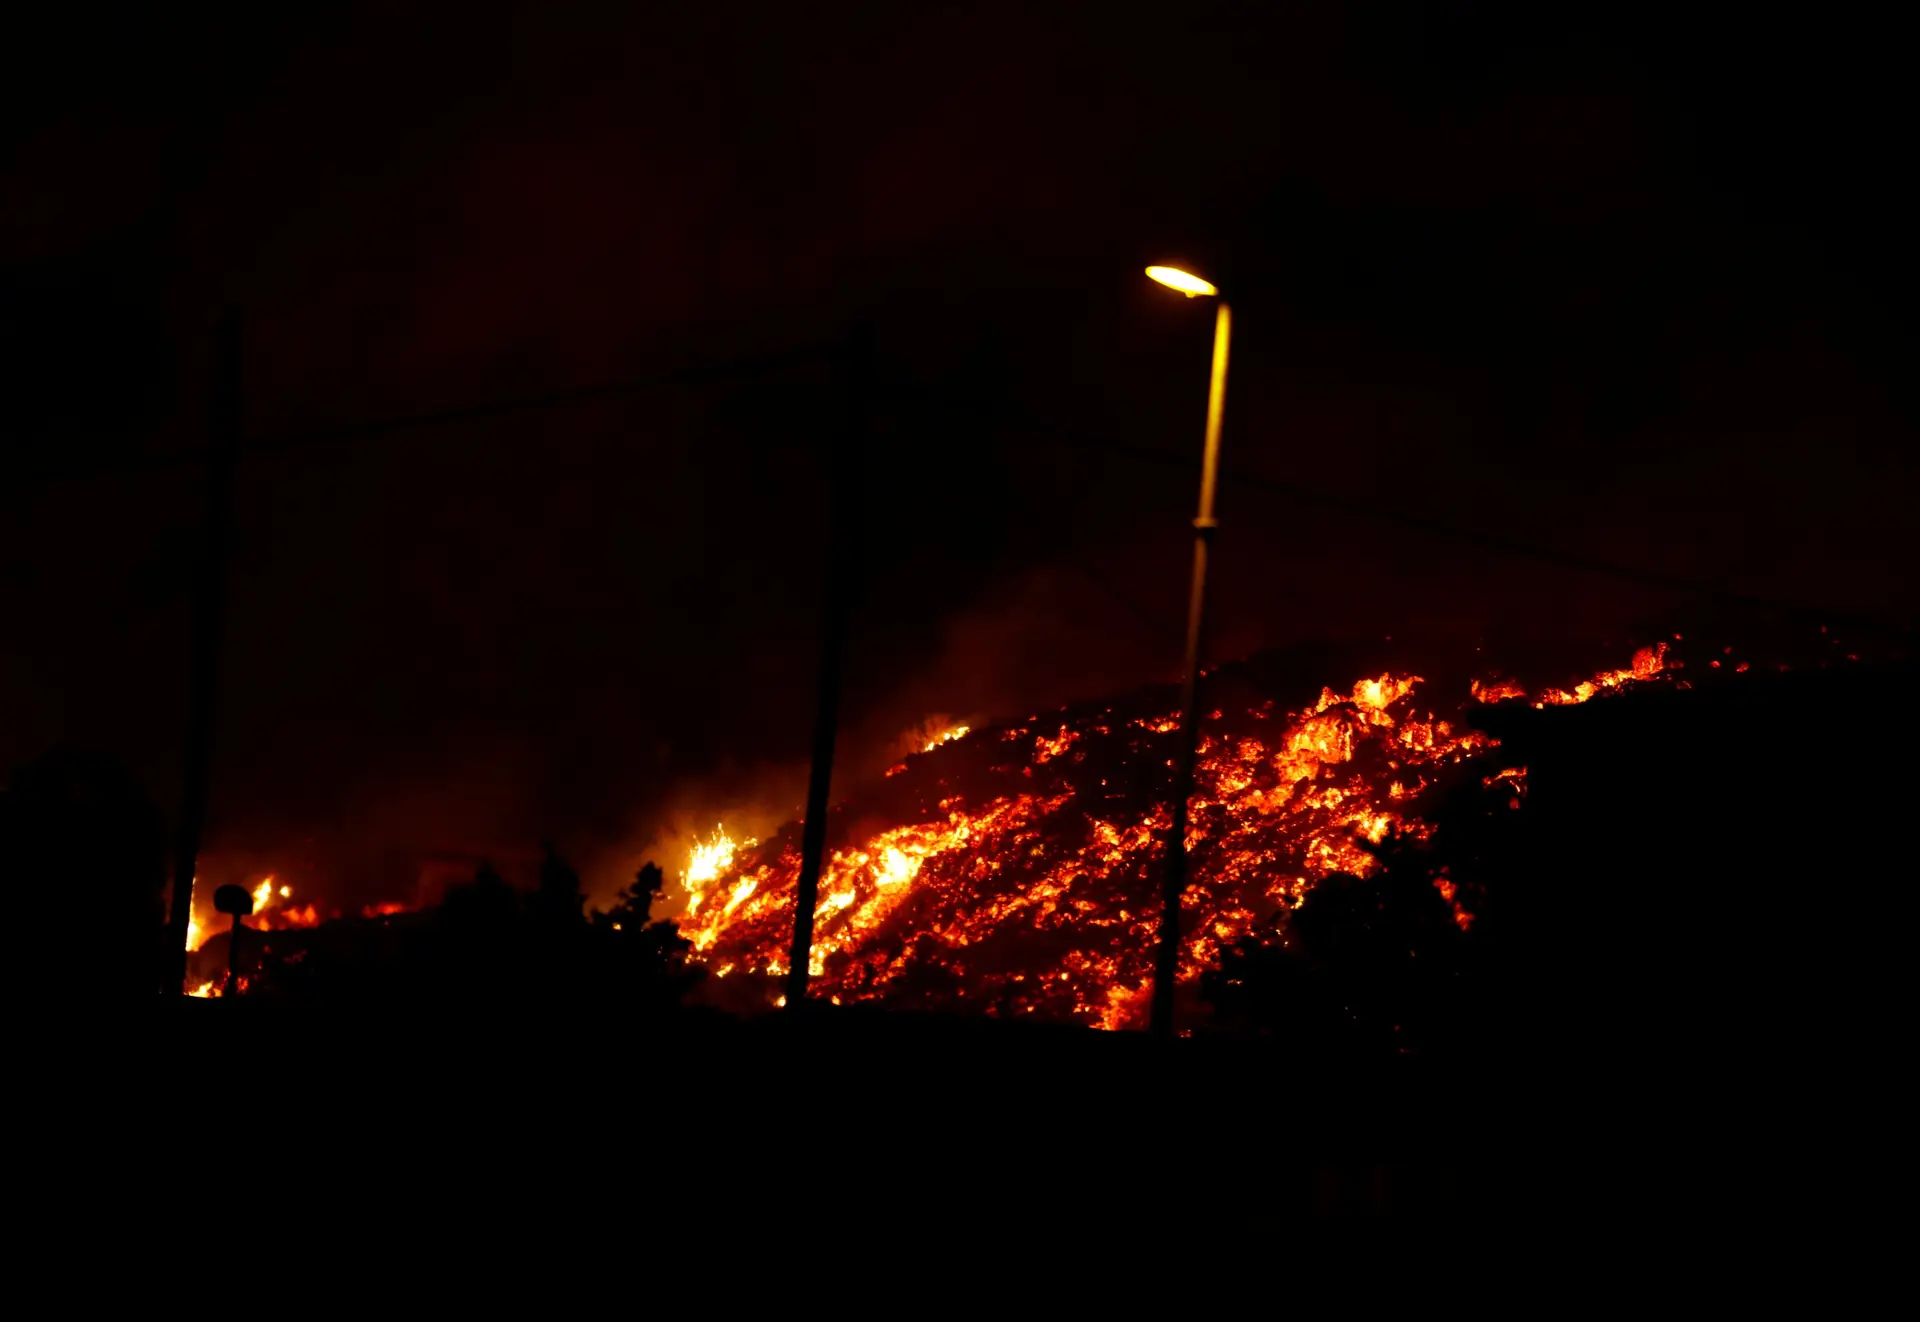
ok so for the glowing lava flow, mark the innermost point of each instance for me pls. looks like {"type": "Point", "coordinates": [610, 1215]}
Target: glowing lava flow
{"type": "Point", "coordinates": [1022, 876]}
{"type": "Point", "coordinates": [1647, 663]}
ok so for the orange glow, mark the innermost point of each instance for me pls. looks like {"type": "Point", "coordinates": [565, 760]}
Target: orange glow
{"type": "Point", "coordinates": [216, 988]}
{"type": "Point", "coordinates": [1174, 278]}
{"type": "Point", "coordinates": [946, 736]}
{"type": "Point", "coordinates": [305, 915]}
{"type": "Point", "coordinates": [1045, 750]}
{"type": "Point", "coordinates": [1647, 663]}
{"type": "Point", "coordinates": [1497, 690]}
{"type": "Point", "coordinates": [1033, 894]}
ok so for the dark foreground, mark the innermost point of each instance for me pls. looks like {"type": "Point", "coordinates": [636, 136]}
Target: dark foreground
{"type": "Point", "coordinates": [1699, 1063]}
{"type": "Point", "coordinates": [886, 1125]}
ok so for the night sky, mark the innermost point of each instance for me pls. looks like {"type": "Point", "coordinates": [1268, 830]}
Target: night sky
{"type": "Point", "coordinates": [1632, 292]}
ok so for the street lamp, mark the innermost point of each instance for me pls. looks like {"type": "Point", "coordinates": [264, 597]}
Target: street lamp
{"type": "Point", "coordinates": [238, 901]}
{"type": "Point", "coordinates": [1167, 957]}
{"type": "Point", "coordinates": [1175, 278]}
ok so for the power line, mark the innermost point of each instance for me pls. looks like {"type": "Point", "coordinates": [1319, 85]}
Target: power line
{"type": "Point", "coordinates": [553, 399]}
{"type": "Point", "coordinates": [1153, 623]}
{"type": "Point", "coordinates": [1348, 506]}
{"type": "Point", "coordinates": [550, 400]}
{"type": "Point", "coordinates": [1424, 524]}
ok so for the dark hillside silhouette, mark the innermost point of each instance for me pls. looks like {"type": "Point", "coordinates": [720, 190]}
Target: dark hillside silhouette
{"type": "Point", "coordinates": [1693, 875]}
{"type": "Point", "coordinates": [1716, 870]}
{"type": "Point", "coordinates": [1686, 964]}
{"type": "Point", "coordinates": [1704, 940]}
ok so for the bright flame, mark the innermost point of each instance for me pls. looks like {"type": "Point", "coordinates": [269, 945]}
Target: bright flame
{"type": "Point", "coordinates": [896, 869]}
{"type": "Point", "coordinates": [708, 861]}
{"type": "Point", "coordinates": [945, 736]}
{"type": "Point", "coordinates": [1174, 278]}
{"type": "Point", "coordinates": [741, 893]}
{"type": "Point", "coordinates": [266, 896]}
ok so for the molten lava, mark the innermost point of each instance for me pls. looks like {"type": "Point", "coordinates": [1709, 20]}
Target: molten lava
{"type": "Point", "coordinates": [946, 736]}
{"type": "Point", "coordinates": [1015, 868]}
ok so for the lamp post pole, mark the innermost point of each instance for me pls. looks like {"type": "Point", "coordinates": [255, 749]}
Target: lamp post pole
{"type": "Point", "coordinates": [843, 572]}
{"type": "Point", "coordinates": [1167, 956]}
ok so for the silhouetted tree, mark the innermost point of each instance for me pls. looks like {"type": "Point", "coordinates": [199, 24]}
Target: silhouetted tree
{"type": "Point", "coordinates": [1366, 966]}
{"type": "Point", "coordinates": [632, 915]}
{"type": "Point", "coordinates": [83, 867]}
{"type": "Point", "coordinates": [648, 954]}
{"type": "Point", "coordinates": [485, 903]}
{"type": "Point", "coordinates": [476, 945]}
{"type": "Point", "coordinates": [490, 944]}
{"type": "Point", "coordinates": [559, 903]}
{"type": "Point", "coordinates": [1389, 963]}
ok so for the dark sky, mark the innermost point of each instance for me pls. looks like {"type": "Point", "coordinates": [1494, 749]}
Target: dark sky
{"type": "Point", "coordinates": [1635, 291]}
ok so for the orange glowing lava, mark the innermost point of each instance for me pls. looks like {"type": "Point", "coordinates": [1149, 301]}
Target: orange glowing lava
{"type": "Point", "coordinates": [1647, 663]}
{"type": "Point", "coordinates": [945, 736]}
{"type": "Point", "coordinates": [1021, 874]}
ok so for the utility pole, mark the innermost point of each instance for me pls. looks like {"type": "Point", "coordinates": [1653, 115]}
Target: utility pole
{"type": "Point", "coordinates": [209, 610]}
{"type": "Point", "coordinates": [843, 573]}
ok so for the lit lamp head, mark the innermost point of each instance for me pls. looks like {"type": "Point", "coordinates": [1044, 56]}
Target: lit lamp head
{"type": "Point", "coordinates": [1174, 278]}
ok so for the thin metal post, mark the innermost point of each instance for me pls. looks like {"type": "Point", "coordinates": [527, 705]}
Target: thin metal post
{"type": "Point", "coordinates": [842, 583]}
{"type": "Point", "coordinates": [1167, 956]}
